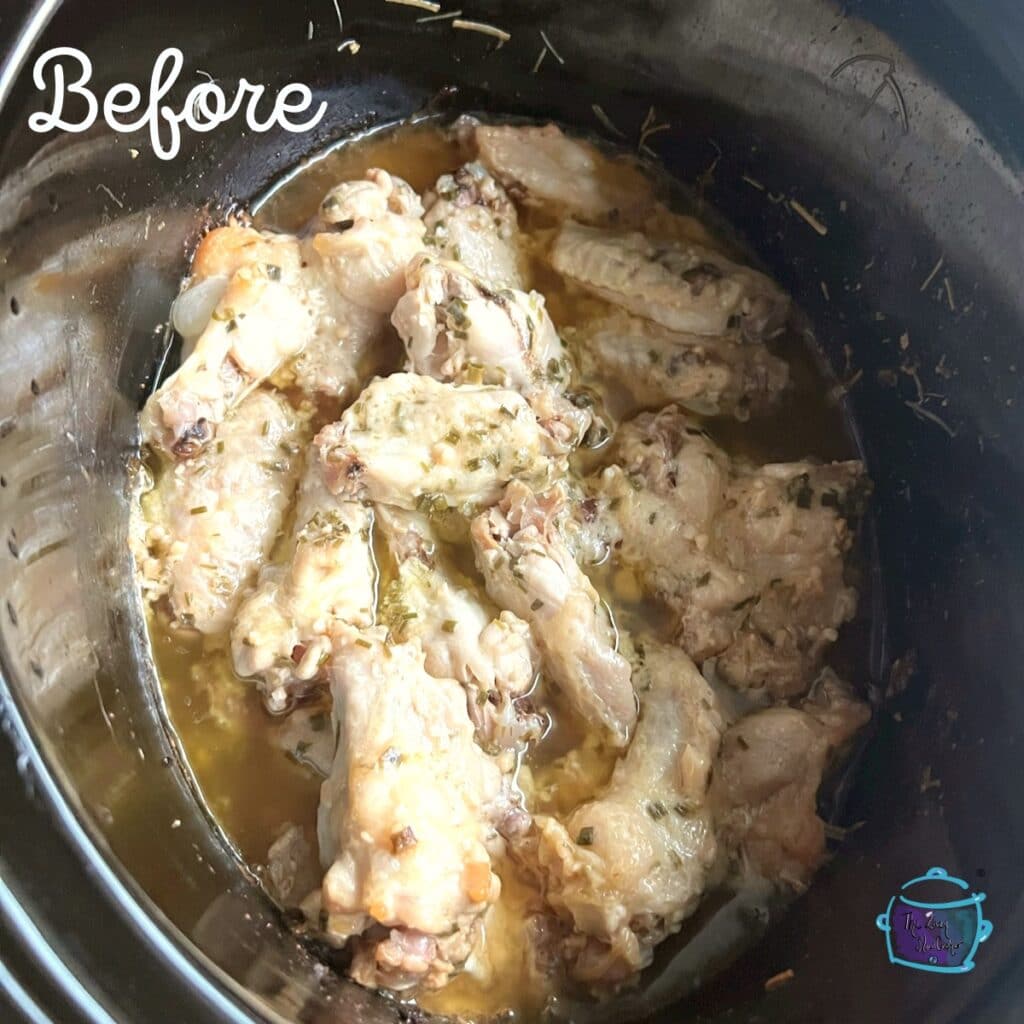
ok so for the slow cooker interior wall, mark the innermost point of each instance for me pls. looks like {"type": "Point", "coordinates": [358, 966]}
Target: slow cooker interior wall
{"type": "Point", "coordinates": [945, 530]}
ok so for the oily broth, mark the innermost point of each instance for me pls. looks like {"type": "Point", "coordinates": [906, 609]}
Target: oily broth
{"type": "Point", "coordinates": [247, 765]}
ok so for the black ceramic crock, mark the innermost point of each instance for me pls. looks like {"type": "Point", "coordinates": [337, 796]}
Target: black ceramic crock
{"type": "Point", "coordinates": [897, 124]}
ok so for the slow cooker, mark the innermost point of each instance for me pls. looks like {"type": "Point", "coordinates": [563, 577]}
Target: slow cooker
{"type": "Point", "coordinates": [893, 125]}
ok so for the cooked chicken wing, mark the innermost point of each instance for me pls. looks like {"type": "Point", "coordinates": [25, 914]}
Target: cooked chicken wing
{"type": "Point", "coordinates": [710, 375]}
{"type": "Point", "coordinates": [681, 285]}
{"type": "Point", "coordinates": [373, 228]}
{"type": "Point", "coordinates": [627, 867]}
{"type": "Point", "coordinates": [415, 443]}
{"type": "Point", "coordinates": [543, 165]}
{"type": "Point", "coordinates": [262, 316]}
{"type": "Point", "coordinates": [529, 569]}
{"type": "Point", "coordinates": [370, 198]}
{"type": "Point", "coordinates": [456, 329]}
{"type": "Point", "coordinates": [214, 517]}
{"type": "Point", "coordinates": [765, 784]}
{"type": "Point", "coordinates": [749, 557]}
{"type": "Point", "coordinates": [471, 220]}
{"type": "Point", "coordinates": [348, 347]}
{"type": "Point", "coordinates": [492, 655]}
{"type": "Point", "coordinates": [405, 819]}
{"type": "Point", "coordinates": [358, 278]}
{"type": "Point", "coordinates": [218, 257]}
{"type": "Point", "coordinates": [282, 632]}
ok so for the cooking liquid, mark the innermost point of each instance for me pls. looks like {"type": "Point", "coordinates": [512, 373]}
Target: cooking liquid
{"type": "Point", "coordinates": [254, 773]}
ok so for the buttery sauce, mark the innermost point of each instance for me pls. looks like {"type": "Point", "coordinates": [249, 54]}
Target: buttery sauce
{"type": "Point", "coordinates": [257, 778]}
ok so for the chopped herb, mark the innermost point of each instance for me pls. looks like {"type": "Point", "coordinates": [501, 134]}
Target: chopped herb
{"type": "Point", "coordinates": [652, 517]}
{"type": "Point", "coordinates": [457, 311]}
{"type": "Point", "coordinates": [449, 625]}
{"type": "Point", "coordinates": [586, 837]}
{"type": "Point", "coordinates": [506, 411]}
{"type": "Point", "coordinates": [474, 463]}
{"type": "Point", "coordinates": [403, 840]}
{"type": "Point", "coordinates": [431, 504]}
{"type": "Point", "coordinates": [232, 325]}
{"type": "Point", "coordinates": [703, 581]}
{"type": "Point", "coordinates": [656, 810]}
{"type": "Point", "coordinates": [266, 428]}
{"type": "Point", "coordinates": [779, 979]}
{"type": "Point", "coordinates": [799, 490]}
{"type": "Point", "coordinates": [537, 605]}
{"type": "Point", "coordinates": [363, 643]}
{"type": "Point", "coordinates": [220, 447]}
{"type": "Point", "coordinates": [453, 436]}
{"type": "Point", "coordinates": [273, 272]}
{"type": "Point", "coordinates": [198, 510]}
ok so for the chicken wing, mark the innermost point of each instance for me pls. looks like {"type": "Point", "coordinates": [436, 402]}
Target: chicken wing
{"type": "Point", "coordinates": [282, 632]}
{"type": "Point", "coordinates": [751, 558]}
{"type": "Point", "coordinates": [359, 277]}
{"type": "Point", "coordinates": [418, 444]}
{"type": "Point", "coordinates": [456, 329]}
{"type": "Point", "coordinates": [681, 285]}
{"type": "Point", "coordinates": [710, 375]}
{"type": "Point", "coordinates": [405, 820]}
{"type": "Point", "coordinates": [263, 315]}
{"type": "Point", "coordinates": [626, 868]}
{"type": "Point", "coordinates": [543, 165]}
{"type": "Point", "coordinates": [529, 569]}
{"type": "Point", "coordinates": [372, 229]}
{"type": "Point", "coordinates": [766, 779]}
{"type": "Point", "coordinates": [491, 654]}
{"type": "Point", "coordinates": [471, 220]}
{"type": "Point", "coordinates": [213, 518]}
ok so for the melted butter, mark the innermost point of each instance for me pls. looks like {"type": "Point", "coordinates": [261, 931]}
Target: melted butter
{"type": "Point", "coordinates": [253, 782]}
{"type": "Point", "coordinates": [418, 153]}
{"type": "Point", "coordinates": [240, 758]}
{"type": "Point", "coordinates": [501, 978]}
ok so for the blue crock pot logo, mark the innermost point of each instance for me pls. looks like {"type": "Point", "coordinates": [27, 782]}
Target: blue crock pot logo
{"type": "Point", "coordinates": [940, 937]}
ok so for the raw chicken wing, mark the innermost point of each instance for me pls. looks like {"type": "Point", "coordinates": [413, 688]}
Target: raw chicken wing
{"type": "Point", "coordinates": [216, 516]}
{"type": "Point", "coordinates": [529, 569]}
